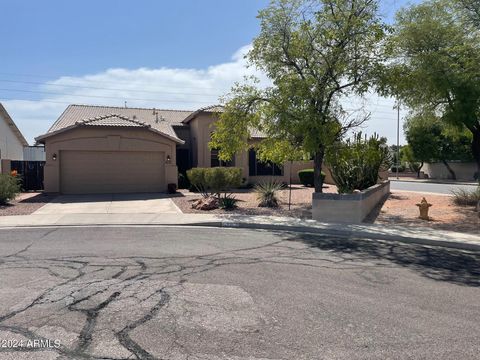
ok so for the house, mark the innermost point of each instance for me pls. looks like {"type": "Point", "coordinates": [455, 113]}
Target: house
{"type": "Point", "coordinates": [12, 141]}
{"type": "Point", "coordinates": [100, 149]}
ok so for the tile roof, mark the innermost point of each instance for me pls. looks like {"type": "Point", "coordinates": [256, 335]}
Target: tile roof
{"type": "Point", "coordinates": [208, 109]}
{"type": "Point", "coordinates": [158, 120]}
{"type": "Point", "coordinates": [112, 120]}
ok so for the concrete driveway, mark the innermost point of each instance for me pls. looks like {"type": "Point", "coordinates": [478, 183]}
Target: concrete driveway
{"type": "Point", "coordinates": [110, 204]}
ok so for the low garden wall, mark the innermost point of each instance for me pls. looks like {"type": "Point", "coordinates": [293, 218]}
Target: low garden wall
{"type": "Point", "coordinates": [348, 208]}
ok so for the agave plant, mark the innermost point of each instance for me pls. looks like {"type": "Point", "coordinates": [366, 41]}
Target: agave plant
{"type": "Point", "coordinates": [267, 193]}
{"type": "Point", "coordinates": [227, 202]}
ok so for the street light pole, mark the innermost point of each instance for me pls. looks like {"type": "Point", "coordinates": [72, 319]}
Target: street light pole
{"type": "Point", "coordinates": [398, 137]}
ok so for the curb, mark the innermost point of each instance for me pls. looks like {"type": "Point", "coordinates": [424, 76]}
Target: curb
{"type": "Point", "coordinates": [364, 234]}
{"type": "Point", "coordinates": [348, 233]}
{"type": "Point", "coordinates": [468, 183]}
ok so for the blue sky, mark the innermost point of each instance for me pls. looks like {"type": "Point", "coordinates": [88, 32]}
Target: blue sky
{"type": "Point", "coordinates": [170, 54]}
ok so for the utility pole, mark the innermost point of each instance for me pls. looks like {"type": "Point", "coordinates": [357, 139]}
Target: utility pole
{"type": "Point", "coordinates": [398, 136]}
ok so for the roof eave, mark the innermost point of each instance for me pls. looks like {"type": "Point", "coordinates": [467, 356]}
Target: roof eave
{"type": "Point", "coordinates": [41, 139]}
{"type": "Point", "coordinates": [13, 126]}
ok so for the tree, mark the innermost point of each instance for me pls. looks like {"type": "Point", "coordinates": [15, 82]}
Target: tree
{"type": "Point", "coordinates": [472, 8]}
{"type": "Point", "coordinates": [430, 139]}
{"type": "Point", "coordinates": [314, 52]}
{"type": "Point", "coordinates": [411, 160]}
{"type": "Point", "coordinates": [433, 68]}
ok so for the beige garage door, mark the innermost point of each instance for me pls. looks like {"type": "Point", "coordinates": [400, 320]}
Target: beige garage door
{"type": "Point", "coordinates": [93, 172]}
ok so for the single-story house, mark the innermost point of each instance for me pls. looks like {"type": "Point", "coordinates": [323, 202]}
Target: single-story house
{"type": "Point", "coordinates": [12, 141]}
{"type": "Point", "coordinates": [101, 149]}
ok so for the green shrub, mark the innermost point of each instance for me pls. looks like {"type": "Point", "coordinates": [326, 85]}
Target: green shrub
{"type": "Point", "coordinates": [355, 164]}
{"type": "Point", "coordinates": [215, 180]}
{"type": "Point", "coordinates": [307, 178]}
{"type": "Point", "coordinates": [267, 193]}
{"type": "Point", "coordinates": [9, 188]}
{"type": "Point", "coordinates": [464, 197]}
{"type": "Point", "coordinates": [227, 202]}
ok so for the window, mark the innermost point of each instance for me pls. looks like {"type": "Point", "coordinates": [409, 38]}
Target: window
{"type": "Point", "coordinates": [216, 162]}
{"type": "Point", "coordinates": [258, 168]}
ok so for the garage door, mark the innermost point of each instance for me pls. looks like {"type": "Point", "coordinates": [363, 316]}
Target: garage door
{"type": "Point", "coordinates": [90, 172]}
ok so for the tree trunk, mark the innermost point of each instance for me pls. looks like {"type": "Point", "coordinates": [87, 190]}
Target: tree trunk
{"type": "Point", "coordinates": [317, 172]}
{"type": "Point", "coordinates": [476, 150]}
{"type": "Point", "coordinates": [452, 173]}
{"type": "Point", "coordinates": [419, 169]}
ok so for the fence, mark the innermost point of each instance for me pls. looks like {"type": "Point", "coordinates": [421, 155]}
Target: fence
{"type": "Point", "coordinates": [31, 173]}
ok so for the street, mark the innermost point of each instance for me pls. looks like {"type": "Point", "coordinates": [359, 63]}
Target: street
{"type": "Point", "coordinates": [428, 187]}
{"type": "Point", "coordinates": [204, 293]}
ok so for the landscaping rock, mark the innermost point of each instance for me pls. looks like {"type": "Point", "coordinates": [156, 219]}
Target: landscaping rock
{"type": "Point", "coordinates": [209, 203]}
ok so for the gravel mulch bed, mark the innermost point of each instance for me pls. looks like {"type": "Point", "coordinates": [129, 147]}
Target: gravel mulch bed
{"type": "Point", "coordinates": [400, 209]}
{"type": "Point", "coordinates": [25, 204]}
{"type": "Point", "coordinates": [301, 204]}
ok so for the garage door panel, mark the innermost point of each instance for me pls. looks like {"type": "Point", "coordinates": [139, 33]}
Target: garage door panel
{"type": "Point", "coordinates": [90, 172]}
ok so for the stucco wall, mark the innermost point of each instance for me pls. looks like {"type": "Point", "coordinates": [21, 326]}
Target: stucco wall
{"type": "Point", "coordinates": [463, 171]}
{"type": "Point", "coordinates": [10, 146]}
{"type": "Point", "coordinates": [105, 139]}
{"type": "Point", "coordinates": [348, 208]}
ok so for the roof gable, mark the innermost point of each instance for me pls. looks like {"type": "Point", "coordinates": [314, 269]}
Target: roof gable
{"type": "Point", "coordinates": [12, 125]}
{"type": "Point", "coordinates": [160, 121]}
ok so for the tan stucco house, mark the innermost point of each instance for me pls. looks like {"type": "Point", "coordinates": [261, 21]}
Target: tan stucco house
{"type": "Point", "coordinates": [100, 149]}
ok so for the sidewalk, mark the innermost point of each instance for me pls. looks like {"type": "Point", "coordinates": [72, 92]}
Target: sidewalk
{"type": "Point", "coordinates": [417, 235]}
{"type": "Point", "coordinates": [432, 181]}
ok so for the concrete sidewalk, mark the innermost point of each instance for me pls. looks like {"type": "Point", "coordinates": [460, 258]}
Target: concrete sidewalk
{"type": "Point", "coordinates": [425, 236]}
{"type": "Point", "coordinates": [433, 181]}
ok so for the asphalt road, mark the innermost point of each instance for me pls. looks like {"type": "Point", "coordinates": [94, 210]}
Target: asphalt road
{"type": "Point", "coordinates": [428, 187]}
{"type": "Point", "coordinates": [211, 294]}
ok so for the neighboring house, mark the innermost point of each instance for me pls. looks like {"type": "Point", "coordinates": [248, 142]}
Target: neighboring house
{"type": "Point", "coordinates": [100, 149]}
{"type": "Point", "coordinates": [12, 141]}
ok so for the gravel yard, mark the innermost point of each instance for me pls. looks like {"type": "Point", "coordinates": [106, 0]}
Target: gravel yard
{"type": "Point", "coordinates": [401, 209]}
{"type": "Point", "coordinates": [248, 204]}
{"type": "Point", "coordinates": [398, 209]}
{"type": "Point", "coordinates": [25, 204]}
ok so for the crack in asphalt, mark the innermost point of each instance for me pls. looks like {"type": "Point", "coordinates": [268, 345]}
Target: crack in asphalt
{"type": "Point", "coordinates": [94, 283]}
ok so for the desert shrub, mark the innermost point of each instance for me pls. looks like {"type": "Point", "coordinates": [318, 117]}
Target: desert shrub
{"type": "Point", "coordinates": [267, 193]}
{"type": "Point", "coordinates": [227, 202]}
{"type": "Point", "coordinates": [307, 178]}
{"type": "Point", "coordinates": [9, 188]}
{"type": "Point", "coordinates": [215, 180]}
{"type": "Point", "coordinates": [355, 164]}
{"type": "Point", "coordinates": [464, 197]}
{"type": "Point", "coordinates": [196, 176]}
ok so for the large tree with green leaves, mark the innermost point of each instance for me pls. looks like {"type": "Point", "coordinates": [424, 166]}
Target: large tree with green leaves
{"type": "Point", "coordinates": [314, 52]}
{"type": "Point", "coordinates": [434, 65]}
{"type": "Point", "coordinates": [430, 139]}
{"type": "Point", "coordinates": [472, 8]}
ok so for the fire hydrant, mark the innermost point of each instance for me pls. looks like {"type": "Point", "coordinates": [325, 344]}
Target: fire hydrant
{"type": "Point", "coordinates": [423, 207]}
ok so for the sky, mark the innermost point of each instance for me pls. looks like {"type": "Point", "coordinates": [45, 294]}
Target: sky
{"type": "Point", "coordinates": [182, 54]}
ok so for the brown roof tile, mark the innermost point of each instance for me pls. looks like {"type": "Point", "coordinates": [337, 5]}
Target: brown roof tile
{"type": "Point", "coordinates": [159, 120]}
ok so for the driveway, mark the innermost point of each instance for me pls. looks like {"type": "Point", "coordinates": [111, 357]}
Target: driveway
{"type": "Point", "coordinates": [110, 204]}
{"type": "Point", "coordinates": [232, 294]}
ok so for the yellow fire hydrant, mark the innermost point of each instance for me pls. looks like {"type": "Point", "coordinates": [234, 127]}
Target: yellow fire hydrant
{"type": "Point", "coordinates": [423, 207]}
